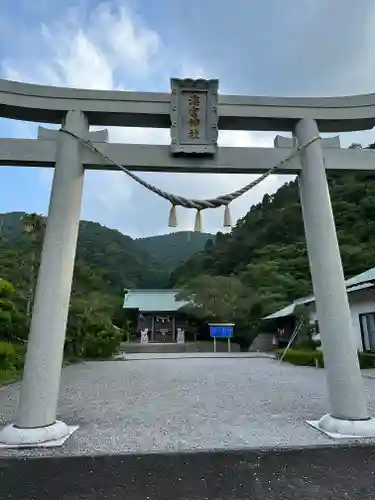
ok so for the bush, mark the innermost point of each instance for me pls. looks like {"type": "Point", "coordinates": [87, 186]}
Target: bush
{"type": "Point", "coordinates": [8, 356]}
{"type": "Point", "coordinates": [307, 345]}
{"type": "Point", "coordinates": [92, 336]}
{"type": "Point", "coordinates": [14, 326]}
{"type": "Point", "coordinates": [19, 360]}
{"type": "Point", "coordinates": [8, 376]}
{"type": "Point", "coordinates": [302, 357]}
{"type": "Point", "coordinates": [315, 358]}
{"type": "Point", "coordinates": [103, 343]}
{"type": "Point", "coordinates": [6, 289]}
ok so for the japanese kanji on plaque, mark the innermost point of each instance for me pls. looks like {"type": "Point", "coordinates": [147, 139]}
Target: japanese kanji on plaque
{"type": "Point", "coordinates": [194, 116]}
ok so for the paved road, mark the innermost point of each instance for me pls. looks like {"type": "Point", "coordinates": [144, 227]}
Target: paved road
{"type": "Point", "coordinates": [305, 474]}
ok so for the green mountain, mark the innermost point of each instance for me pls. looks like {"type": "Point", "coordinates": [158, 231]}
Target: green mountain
{"type": "Point", "coordinates": [106, 259]}
{"type": "Point", "coordinates": [267, 249]}
{"type": "Point", "coordinates": [116, 260]}
{"type": "Point", "coordinates": [171, 250]}
{"type": "Point", "coordinates": [121, 261]}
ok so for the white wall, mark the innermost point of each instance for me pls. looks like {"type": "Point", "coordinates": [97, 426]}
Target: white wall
{"type": "Point", "coordinates": [360, 302]}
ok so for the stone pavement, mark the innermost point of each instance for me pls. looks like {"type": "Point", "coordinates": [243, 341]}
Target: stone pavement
{"type": "Point", "coordinates": [369, 373]}
{"type": "Point", "coordinates": [169, 405]}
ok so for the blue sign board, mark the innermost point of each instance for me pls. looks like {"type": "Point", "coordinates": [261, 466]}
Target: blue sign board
{"type": "Point", "coordinates": [221, 330]}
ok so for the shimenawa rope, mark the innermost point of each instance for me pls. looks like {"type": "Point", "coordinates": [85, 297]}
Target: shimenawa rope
{"type": "Point", "coordinates": [199, 205]}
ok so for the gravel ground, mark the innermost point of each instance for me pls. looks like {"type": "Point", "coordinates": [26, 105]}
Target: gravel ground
{"type": "Point", "coordinates": [160, 405]}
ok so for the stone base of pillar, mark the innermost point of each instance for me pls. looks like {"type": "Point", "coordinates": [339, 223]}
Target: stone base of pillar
{"type": "Point", "coordinates": [344, 429]}
{"type": "Point", "coordinates": [42, 437]}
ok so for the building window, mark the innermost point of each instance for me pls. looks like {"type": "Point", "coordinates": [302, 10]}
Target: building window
{"type": "Point", "coordinates": [367, 323]}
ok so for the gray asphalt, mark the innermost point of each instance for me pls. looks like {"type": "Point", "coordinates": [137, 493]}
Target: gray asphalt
{"type": "Point", "coordinates": [333, 473]}
{"type": "Point", "coordinates": [191, 404]}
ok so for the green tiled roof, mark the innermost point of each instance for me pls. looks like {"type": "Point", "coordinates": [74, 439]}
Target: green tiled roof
{"type": "Point", "coordinates": [153, 300]}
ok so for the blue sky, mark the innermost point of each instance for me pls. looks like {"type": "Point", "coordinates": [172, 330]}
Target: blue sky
{"type": "Point", "coordinates": [269, 47]}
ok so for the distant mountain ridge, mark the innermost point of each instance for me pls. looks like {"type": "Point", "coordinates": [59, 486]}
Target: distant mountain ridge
{"type": "Point", "coordinates": [117, 261]}
{"type": "Point", "coordinates": [171, 250]}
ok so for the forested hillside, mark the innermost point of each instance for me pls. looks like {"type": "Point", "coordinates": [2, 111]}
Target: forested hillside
{"type": "Point", "coordinates": [171, 250]}
{"type": "Point", "coordinates": [116, 259]}
{"type": "Point", "coordinates": [106, 258]}
{"type": "Point", "coordinates": [267, 252]}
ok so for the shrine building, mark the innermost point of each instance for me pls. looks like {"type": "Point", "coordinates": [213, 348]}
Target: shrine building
{"type": "Point", "coordinates": [157, 310]}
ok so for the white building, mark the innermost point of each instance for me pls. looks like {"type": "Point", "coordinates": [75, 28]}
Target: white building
{"type": "Point", "coordinates": [361, 294]}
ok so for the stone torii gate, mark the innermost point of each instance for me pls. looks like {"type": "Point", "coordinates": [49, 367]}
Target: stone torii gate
{"type": "Point", "coordinates": [194, 112]}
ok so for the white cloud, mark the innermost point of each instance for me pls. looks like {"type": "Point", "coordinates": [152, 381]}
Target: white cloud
{"type": "Point", "coordinates": [125, 39]}
{"type": "Point", "coordinates": [114, 49]}
{"type": "Point", "coordinates": [80, 62]}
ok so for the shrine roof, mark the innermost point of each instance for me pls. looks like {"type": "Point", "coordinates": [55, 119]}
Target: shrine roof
{"type": "Point", "coordinates": [365, 277]}
{"type": "Point", "coordinates": [359, 282]}
{"type": "Point", "coordinates": [163, 300]}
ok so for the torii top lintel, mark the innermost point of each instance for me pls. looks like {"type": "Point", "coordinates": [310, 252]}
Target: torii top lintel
{"type": "Point", "coordinates": [48, 104]}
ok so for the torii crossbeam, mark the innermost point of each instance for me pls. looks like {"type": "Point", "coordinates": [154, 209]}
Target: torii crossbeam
{"type": "Point", "coordinates": [151, 158]}
{"type": "Point", "coordinates": [194, 112]}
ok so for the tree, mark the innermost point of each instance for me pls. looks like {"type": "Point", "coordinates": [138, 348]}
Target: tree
{"type": "Point", "coordinates": [33, 225]}
{"type": "Point", "coordinates": [90, 333]}
{"type": "Point", "coordinates": [13, 324]}
{"type": "Point", "coordinates": [222, 299]}
{"type": "Point", "coordinates": [267, 251]}
{"type": "Point", "coordinates": [216, 298]}
{"type": "Point", "coordinates": [6, 289]}
{"type": "Point", "coordinates": [274, 283]}
{"type": "Point", "coordinates": [6, 307]}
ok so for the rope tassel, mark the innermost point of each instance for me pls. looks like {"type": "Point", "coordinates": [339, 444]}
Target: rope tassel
{"type": "Point", "coordinates": [198, 222]}
{"type": "Point", "coordinates": [172, 217]}
{"type": "Point", "coordinates": [227, 217]}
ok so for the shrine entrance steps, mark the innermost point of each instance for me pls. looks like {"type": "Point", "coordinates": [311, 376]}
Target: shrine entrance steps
{"type": "Point", "coordinates": [152, 347]}
{"type": "Point", "coordinates": [190, 347]}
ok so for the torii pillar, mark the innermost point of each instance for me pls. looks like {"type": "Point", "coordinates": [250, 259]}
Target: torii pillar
{"type": "Point", "coordinates": [36, 423]}
{"type": "Point", "coordinates": [349, 415]}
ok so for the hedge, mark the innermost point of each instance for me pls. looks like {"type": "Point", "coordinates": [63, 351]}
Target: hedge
{"type": "Point", "coordinates": [315, 358]}
{"type": "Point", "coordinates": [11, 361]}
{"type": "Point", "coordinates": [8, 355]}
